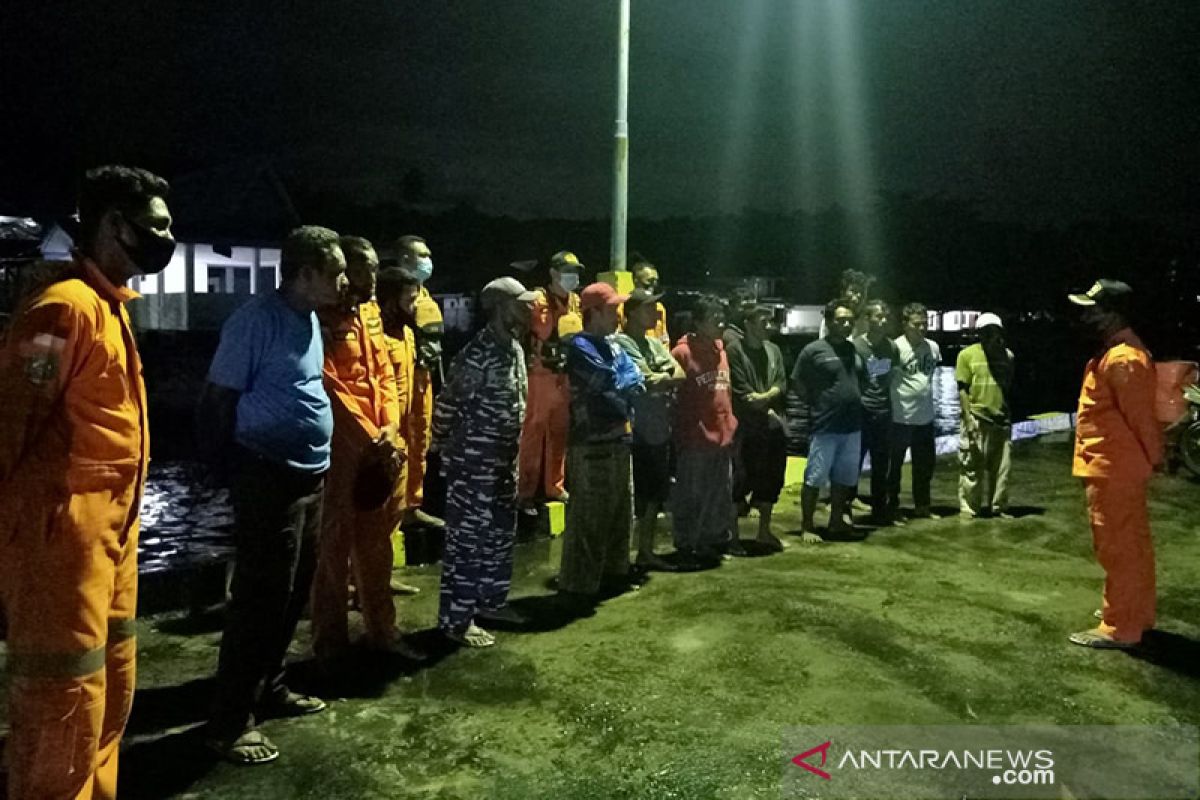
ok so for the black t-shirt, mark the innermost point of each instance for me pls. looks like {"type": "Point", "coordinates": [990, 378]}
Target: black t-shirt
{"type": "Point", "coordinates": [878, 361]}
{"type": "Point", "coordinates": [830, 376]}
{"type": "Point", "coordinates": [758, 360]}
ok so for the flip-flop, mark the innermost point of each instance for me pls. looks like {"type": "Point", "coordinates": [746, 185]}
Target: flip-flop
{"type": "Point", "coordinates": [292, 704]}
{"type": "Point", "coordinates": [1099, 641]}
{"type": "Point", "coordinates": [473, 636]}
{"type": "Point", "coordinates": [238, 751]}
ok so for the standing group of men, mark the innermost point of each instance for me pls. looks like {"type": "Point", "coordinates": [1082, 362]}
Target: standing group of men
{"type": "Point", "coordinates": [319, 412]}
{"type": "Point", "coordinates": [869, 394]}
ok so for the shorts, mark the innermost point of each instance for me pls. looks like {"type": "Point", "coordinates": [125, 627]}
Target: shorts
{"type": "Point", "coordinates": [651, 475]}
{"type": "Point", "coordinates": [833, 457]}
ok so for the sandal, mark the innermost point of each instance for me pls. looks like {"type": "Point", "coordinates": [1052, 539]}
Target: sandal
{"type": "Point", "coordinates": [248, 749]}
{"type": "Point", "coordinates": [400, 587]}
{"type": "Point", "coordinates": [292, 704]}
{"type": "Point", "coordinates": [473, 636]}
{"type": "Point", "coordinates": [1100, 641]}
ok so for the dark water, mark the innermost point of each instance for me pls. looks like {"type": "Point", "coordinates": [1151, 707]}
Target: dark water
{"type": "Point", "coordinates": [184, 525]}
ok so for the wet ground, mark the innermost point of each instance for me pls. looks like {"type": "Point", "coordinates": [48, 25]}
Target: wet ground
{"type": "Point", "coordinates": [682, 689]}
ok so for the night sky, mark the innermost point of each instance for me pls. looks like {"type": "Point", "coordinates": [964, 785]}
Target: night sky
{"type": "Point", "coordinates": [1038, 111]}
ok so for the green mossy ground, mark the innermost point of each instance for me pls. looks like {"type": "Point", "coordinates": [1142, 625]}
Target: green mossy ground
{"type": "Point", "coordinates": [683, 689]}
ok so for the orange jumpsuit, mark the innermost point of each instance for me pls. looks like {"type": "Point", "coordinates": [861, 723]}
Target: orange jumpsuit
{"type": "Point", "coordinates": [1118, 442]}
{"type": "Point", "coordinates": [416, 426]}
{"type": "Point", "coordinates": [543, 454]}
{"type": "Point", "coordinates": [361, 383]}
{"type": "Point", "coordinates": [73, 456]}
{"type": "Point", "coordinates": [402, 354]}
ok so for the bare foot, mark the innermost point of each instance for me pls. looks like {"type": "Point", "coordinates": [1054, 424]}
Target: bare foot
{"type": "Point", "coordinates": [808, 537]}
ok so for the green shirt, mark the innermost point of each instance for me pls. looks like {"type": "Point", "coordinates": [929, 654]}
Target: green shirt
{"type": "Point", "coordinates": [986, 384]}
{"type": "Point", "coordinates": [651, 410]}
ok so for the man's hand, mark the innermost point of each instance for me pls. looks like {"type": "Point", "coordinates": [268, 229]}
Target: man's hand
{"type": "Point", "coordinates": [757, 400]}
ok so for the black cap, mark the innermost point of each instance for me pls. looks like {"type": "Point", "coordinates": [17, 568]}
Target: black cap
{"type": "Point", "coordinates": [565, 261]}
{"type": "Point", "coordinates": [638, 296]}
{"type": "Point", "coordinates": [1104, 292]}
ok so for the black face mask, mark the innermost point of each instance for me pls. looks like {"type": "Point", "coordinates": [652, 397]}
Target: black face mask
{"type": "Point", "coordinates": [151, 252]}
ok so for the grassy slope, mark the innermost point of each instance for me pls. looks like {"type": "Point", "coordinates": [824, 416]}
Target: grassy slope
{"type": "Point", "coordinates": [682, 690]}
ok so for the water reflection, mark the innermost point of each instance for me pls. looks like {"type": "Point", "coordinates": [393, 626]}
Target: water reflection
{"type": "Point", "coordinates": [184, 524]}
{"type": "Point", "coordinates": [945, 402]}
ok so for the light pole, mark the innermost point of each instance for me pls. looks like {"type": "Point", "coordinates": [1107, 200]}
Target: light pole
{"type": "Point", "coordinates": [620, 216]}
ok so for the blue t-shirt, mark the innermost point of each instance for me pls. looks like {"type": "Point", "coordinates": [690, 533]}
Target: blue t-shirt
{"type": "Point", "coordinates": [273, 356]}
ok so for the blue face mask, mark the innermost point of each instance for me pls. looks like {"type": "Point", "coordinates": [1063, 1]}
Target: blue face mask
{"type": "Point", "coordinates": [569, 281]}
{"type": "Point", "coordinates": [422, 269]}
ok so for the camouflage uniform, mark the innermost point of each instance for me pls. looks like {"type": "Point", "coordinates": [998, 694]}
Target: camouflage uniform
{"type": "Point", "coordinates": [477, 427]}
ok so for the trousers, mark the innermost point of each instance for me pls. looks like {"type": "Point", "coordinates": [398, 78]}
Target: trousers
{"type": "Point", "coordinates": [1121, 539]}
{"type": "Point", "coordinates": [984, 460]}
{"type": "Point", "coordinates": [877, 441]}
{"type": "Point", "coordinates": [599, 516]}
{"type": "Point", "coordinates": [481, 528]}
{"type": "Point", "coordinates": [702, 512]}
{"type": "Point", "coordinates": [924, 456]}
{"type": "Point", "coordinates": [544, 436]}
{"type": "Point", "coordinates": [277, 521]}
{"type": "Point", "coordinates": [350, 536]}
{"type": "Point", "coordinates": [68, 585]}
{"type": "Point", "coordinates": [417, 425]}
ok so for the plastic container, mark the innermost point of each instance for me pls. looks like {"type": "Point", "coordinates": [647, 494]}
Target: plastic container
{"type": "Point", "coordinates": [1170, 404]}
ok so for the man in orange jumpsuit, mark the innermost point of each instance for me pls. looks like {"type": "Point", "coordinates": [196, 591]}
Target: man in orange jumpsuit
{"type": "Point", "coordinates": [397, 296]}
{"type": "Point", "coordinates": [361, 382]}
{"type": "Point", "coordinates": [415, 259]}
{"type": "Point", "coordinates": [73, 454]}
{"type": "Point", "coordinates": [1118, 443]}
{"type": "Point", "coordinates": [556, 316]}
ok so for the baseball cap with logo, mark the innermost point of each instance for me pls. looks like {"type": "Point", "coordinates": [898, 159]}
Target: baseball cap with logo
{"type": "Point", "coordinates": [987, 318]}
{"type": "Point", "coordinates": [1104, 292]}
{"type": "Point", "coordinates": [599, 294]}
{"type": "Point", "coordinates": [503, 288]}
{"type": "Point", "coordinates": [565, 261]}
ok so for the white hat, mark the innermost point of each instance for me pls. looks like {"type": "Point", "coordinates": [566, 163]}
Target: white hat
{"type": "Point", "coordinates": [503, 288]}
{"type": "Point", "coordinates": [986, 319]}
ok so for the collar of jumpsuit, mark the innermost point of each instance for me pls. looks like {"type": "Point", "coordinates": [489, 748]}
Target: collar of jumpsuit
{"type": "Point", "coordinates": [106, 288]}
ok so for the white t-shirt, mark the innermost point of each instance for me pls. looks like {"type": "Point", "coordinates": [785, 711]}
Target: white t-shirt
{"type": "Point", "coordinates": [912, 382]}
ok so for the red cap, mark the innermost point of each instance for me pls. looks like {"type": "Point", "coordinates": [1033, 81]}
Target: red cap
{"type": "Point", "coordinates": [599, 294]}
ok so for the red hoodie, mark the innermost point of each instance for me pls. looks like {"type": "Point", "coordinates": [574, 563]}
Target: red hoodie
{"type": "Point", "coordinates": [704, 408]}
